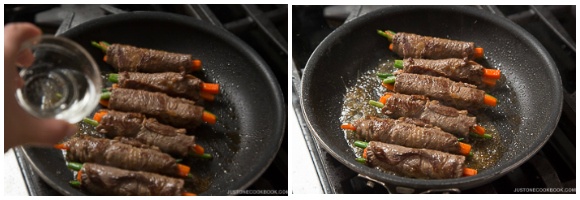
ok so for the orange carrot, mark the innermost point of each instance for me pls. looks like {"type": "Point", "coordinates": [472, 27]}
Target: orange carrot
{"type": "Point", "coordinates": [115, 86]}
{"type": "Point", "coordinates": [385, 97]}
{"type": "Point", "coordinates": [105, 58]}
{"type": "Point", "coordinates": [390, 87]}
{"type": "Point", "coordinates": [348, 126]}
{"type": "Point", "coordinates": [212, 88]}
{"type": "Point", "coordinates": [104, 102]}
{"type": "Point", "coordinates": [207, 96]}
{"type": "Point", "coordinates": [464, 148]}
{"type": "Point", "coordinates": [391, 46]}
{"type": "Point", "coordinates": [478, 53]}
{"type": "Point", "coordinates": [469, 171]}
{"type": "Point", "coordinates": [478, 129]}
{"type": "Point", "coordinates": [198, 149]}
{"type": "Point", "coordinates": [489, 81]}
{"type": "Point", "coordinates": [365, 153]}
{"type": "Point", "coordinates": [196, 65]}
{"type": "Point", "coordinates": [183, 170]}
{"type": "Point", "coordinates": [79, 175]}
{"type": "Point", "coordinates": [209, 117]}
{"type": "Point", "coordinates": [99, 116]}
{"type": "Point", "coordinates": [492, 73]}
{"type": "Point", "coordinates": [61, 146]}
{"type": "Point", "coordinates": [188, 194]}
{"type": "Point", "coordinates": [489, 100]}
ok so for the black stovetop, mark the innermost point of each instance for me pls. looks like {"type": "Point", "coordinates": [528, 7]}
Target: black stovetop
{"type": "Point", "coordinates": [553, 167]}
{"type": "Point", "coordinates": [263, 27]}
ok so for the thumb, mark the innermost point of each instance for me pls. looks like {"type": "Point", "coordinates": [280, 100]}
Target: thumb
{"type": "Point", "coordinates": [47, 132]}
{"type": "Point", "coordinates": [17, 33]}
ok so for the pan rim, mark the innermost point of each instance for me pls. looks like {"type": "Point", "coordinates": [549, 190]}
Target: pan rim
{"type": "Point", "coordinates": [465, 182]}
{"type": "Point", "coordinates": [278, 124]}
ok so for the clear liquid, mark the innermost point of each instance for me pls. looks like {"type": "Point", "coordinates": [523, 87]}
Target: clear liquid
{"type": "Point", "coordinates": [61, 93]}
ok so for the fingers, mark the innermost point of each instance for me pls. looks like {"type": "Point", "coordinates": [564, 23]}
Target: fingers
{"type": "Point", "coordinates": [17, 33]}
{"type": "Point", "coordinates": [25, 58]}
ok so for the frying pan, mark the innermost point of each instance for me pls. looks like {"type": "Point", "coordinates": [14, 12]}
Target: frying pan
{"type": "Point", "coordinates": [525, 120]}
{"type": "Point", "coordinates": [250, 108]}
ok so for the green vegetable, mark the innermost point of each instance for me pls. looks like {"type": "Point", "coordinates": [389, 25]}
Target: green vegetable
{"type": "Point", "coordinates": [105, 95]}
{"type": "Point", "coordinates": [75, 183]}
{"type": "Point", "coordinates": [361, 160]}
{"type": "Point", "coordinates": [388, 34]}
{"type": "Point", "coordinates": [376, 104]}
{"type": "Point", "coordinates": [90, 122]}
{"type": "Point", "coordinates": [384, 75]}
{"type": "Point", "coordinates": [74, 166]}
{"type": "Point", "coordinates": [389, 80]}
{"type": "Point", "coordinates": [361, 144]}
{"type": "Point", "coordinates": [113, 78]}
{"type": "Point", "coordinates": [399, 64]}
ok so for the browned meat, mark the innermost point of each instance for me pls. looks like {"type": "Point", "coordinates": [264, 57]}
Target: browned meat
{"type": "Point", "coordinates": [408, 45]}
{"type": "Point", "coordinates": [420, 107]}
{"type": "Point", "coordinates": [456, 94]}
{"type": "Point", "coordinates": [105, 180]}
{"type": "Point", "coordinates": [415, 163]}
{"type": "Point", "coordinates": [177, 112]}
{"type": "Point", "coordinates": [453, 68]}
{"type": "Point", "coordinates": [117, 154]}
{"type": "Point", "coordinates": [148, 131]}
{"type": "Point", "coordinates": [135, 143]}
{"type": "Point", "coordinates": [134, 59]}
{"type": "Point", "coordinates": [401, 133]}
{"type": "Point", "coordinates": [170, 83]}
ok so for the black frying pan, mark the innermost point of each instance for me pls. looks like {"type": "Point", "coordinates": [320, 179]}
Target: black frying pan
{"type": "Point", "coordinates": [525, 123]}
{"type": "Point", "coordinates": [250, 108]}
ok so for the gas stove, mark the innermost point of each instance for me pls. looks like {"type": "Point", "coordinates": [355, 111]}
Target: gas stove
{"type": "Point", "coordinates": [263, 27]}
{"type": "Point", "coordinates": [552, 167]}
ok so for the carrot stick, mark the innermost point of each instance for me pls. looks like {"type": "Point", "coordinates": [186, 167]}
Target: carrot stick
{"type": "Point", "coordinates": [365, 153]}
{"type": "Point", "coordinates": [478, 53]}
{"type": "Point", "coordinates": [489, 81]}
{"type": "Point", "coordinates": [385, 97]}
{"type": "Point", "coordinates": [207, 96]}
{"type": "Point", "coordinates": [492, 73]}
{"type": "Point", "coordinates": [198, 149]}
{"type": "Point", "coordinates": [99, 115]}
{"type": "Point", "coordinates": [105, 58]}
{"type": "Point", "coordinates": [209, 117]}
{"type": "Point", "coordinates": [183, 169]}
{"type": "Point", "coordinates": [196, 65]}
{"type": "Point", "coordinates": [212, 88]}
{"type": "Point", "coordinates": [464, 148]}
{"type": "Point", "coordinates": [188, 194]}
{"type": "Point", "coordinates": [478, 129]}
{"type": "Point", "coordinates": [469, 171]}
{"type": "Point", "coordinates": [79, 175]}
{"type": "Point", "coordinates": [489, 100]}
{"type": "Point", "coordinates": [61, 146]}
{"type": "Point", "coordinates": [391, 46]}
{"type": "Point", "coordinates": [115, 86]}
{"type": "Point", "coordinates": [390, 87]}
{"type": "Point", "coordinates": [104, 102]}
{"type": "Point", "coordinates": [348, 126]}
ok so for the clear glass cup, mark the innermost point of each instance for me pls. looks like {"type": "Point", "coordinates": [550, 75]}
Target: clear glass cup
{"type": "Point", "coordinates": [64, 82]}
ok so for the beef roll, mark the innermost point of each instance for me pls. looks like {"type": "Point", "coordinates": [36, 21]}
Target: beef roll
{"type": "Point", "coordinates": [148, 131]}
{"type": "Point", "coordinates": [105, 180]}
{"type": "Point", "coordinates": [453, 68]}
{"type": "Point", "coordinates": [177, 112]}
{"type": "Point", "coordinates": [420, 107]}
{"type": "Point", "coordinates": [133, 59]}
{"type": "Point", "coordinates": [171, 83]}
{"type": "Point", "coordinates": [456, 94]}
{"type": "Point", "coordinates": [409, 135]}
{"type": "Point", "coordinates": [415, 163]}
{"type": "Point", "coordinates": [409, 45]}
{"type": "Point", "coordinates": [118, 154]}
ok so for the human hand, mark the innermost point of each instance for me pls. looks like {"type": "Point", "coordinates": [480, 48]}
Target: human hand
{"type": "Point", "coordinates": [21, 127]}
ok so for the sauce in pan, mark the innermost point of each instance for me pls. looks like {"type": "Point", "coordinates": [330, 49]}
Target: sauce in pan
{"type": "Point", "coordinates": [487, 152]}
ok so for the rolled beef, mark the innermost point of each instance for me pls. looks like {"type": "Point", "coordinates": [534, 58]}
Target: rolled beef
{"type": "Point", "coordinates": [453, 68]}
{"type": "Point", "coordinates": [148, 131]}
{"type": "Point", "coordinates": [171, 83]}
{"type": "Point", "coordinates": [415, 163]}
{"type": "Point", "coordinates": [409, 45]}
{"type": "Point", "coordinates": [451, 93]}
{"type": "Point", "coordinates": [117, 154]}
{"type": "Point", "coordinates": [177, 112]}
{"type": "Point", "coordinates": [134, 59]}
{"type": "Point", "coordinates": [409, 135]}
{"type": "Point", "coordinates": [420, 107]}
{"type": "Point", "coordinates": [105, 180]}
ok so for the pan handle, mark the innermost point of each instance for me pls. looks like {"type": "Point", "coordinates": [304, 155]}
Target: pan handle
{"type": "Point", "coordinates": [406, 190]}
